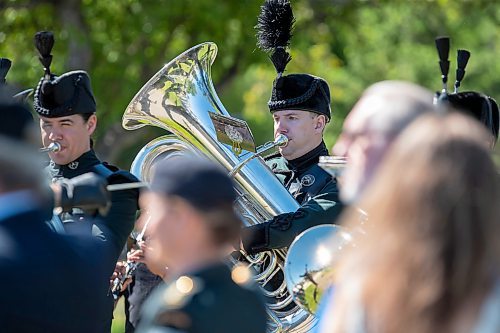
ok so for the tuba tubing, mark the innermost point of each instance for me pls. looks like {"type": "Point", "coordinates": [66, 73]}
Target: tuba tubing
{"type": "Point", "coordinates": [180, 98]}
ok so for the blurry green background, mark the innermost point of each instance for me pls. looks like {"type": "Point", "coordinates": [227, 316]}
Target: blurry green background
{"type": "Point", "coordinates": [352, 44]}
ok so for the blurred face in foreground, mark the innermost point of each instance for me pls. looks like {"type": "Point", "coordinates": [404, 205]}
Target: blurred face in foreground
{"type": "Point", "coordinates": [303, 129]}
{"type": "Point", "coordinates": [175, 234]}
{"type": "Point", "coordinates": [364, 147]}
{"type": "Point", "coordinates": [71, 132]}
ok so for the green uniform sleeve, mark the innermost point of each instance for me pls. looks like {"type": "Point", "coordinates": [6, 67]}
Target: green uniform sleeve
{"type": "Point", "coordinates": [324, 208]}
{"type": "Point", "coordinates": [116, 226]}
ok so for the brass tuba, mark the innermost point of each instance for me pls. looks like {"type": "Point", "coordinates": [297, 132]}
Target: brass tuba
{"type": "Point", "coordinates": [181, 99]}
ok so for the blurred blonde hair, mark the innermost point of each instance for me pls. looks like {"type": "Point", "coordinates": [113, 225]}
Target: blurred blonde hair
{"type": "Point", "coordinates": [431, 246]}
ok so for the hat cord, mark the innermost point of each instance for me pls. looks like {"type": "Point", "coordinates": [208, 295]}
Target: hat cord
{"type": "Point", "coordinates": [66, 106]}
{"type": "Point", "coordinates": [296, 100]}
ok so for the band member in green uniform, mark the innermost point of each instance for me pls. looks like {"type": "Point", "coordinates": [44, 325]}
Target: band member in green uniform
{"type": "Point", "coordinates": [67, 109]}
{"type": "Point", "coordinates": [300, 106]}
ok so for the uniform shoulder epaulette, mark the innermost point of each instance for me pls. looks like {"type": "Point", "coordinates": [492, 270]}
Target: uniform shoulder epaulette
{"type": "Point", "coordinates": [122, 176]}
{"type": "Point", "coordinates": [113, 174]}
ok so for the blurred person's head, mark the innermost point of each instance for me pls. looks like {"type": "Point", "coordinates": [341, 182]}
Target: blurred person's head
{"type": "Point", "coordinates": [190, 207]}
{"type": "Point", "coordinates": [381, 113]}
{"type": "Point", "coordinates": [20, 165]}
{"type": "Point", "coordinates": [431, 252]}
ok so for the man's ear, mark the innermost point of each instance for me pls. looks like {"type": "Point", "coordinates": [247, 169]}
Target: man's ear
{"type": "Point", "coordinates": [91, 124]}
{"type": "Point", "coordinates": [320, 123]}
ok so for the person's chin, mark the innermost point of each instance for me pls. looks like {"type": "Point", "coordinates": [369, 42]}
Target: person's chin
{"type": "Point", "coordinates": [59, 159]}
{"type": "Point", "coordinates": [286, 153]}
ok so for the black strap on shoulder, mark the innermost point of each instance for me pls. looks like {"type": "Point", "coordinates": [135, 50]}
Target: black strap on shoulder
{"type": "Point", "coordinates": [102, 170]}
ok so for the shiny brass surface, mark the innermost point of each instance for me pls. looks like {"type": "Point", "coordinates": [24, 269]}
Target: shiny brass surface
{"type": "Point", "coordinates": [181, 99]}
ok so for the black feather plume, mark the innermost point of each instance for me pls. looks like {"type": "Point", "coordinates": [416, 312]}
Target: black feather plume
{"type": "Point", "coordinates": [44, 42]}
{"type": "Point", "coordinates": [280, 59]}
{"type": "Point", "coordinates": [4, 69]}
{"type": "Point", "coordinates": [274, 31]}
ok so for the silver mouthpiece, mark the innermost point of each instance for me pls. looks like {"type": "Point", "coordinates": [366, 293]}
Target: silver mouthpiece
{"type": "Point", "coordinates": [53, 147]}
{"type": "Point", "coordinates": [281, 140]}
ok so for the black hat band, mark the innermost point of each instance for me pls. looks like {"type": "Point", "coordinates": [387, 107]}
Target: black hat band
{"type": "Point", "coordinates": [275, 105]}
{"type": "Point", "coordinates": [66, 106]}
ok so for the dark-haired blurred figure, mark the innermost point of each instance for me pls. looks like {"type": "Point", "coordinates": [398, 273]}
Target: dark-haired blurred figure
{"type": "Point", "coordinates": [192, 228]}
{"type": "Point", "coordinates": [43, 274]}
{"type": "Point", "coordinates": [430, 259]}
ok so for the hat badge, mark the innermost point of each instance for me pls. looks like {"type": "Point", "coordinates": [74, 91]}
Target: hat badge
{"type": "Point", "coordinates": [307, 180]}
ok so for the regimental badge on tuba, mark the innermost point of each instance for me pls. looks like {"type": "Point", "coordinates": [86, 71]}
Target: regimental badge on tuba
{"type": "Point", "coordinates": [181, 99]}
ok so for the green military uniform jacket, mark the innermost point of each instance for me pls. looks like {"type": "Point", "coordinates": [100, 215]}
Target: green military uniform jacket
{"type": "Point", "coordinates": [314, 189]}
{"type": "Point", "coordinates": [212, 299]}
{"type": "Point", "coordinates": [119, 222]}
{"type": "Point", "coordinates": [112, 229]}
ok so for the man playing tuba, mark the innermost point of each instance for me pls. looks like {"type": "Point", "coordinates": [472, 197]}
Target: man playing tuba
{"type": "Point", "coordinates": [300, 106]}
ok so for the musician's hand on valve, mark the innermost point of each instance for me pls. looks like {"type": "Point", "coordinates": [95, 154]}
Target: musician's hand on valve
{"type": "Point", "coordinates": [136, 255]}
{"type": "Point", "coordinates": [119, 272]}
{"type": "Point", "coordinates": [87, 191]}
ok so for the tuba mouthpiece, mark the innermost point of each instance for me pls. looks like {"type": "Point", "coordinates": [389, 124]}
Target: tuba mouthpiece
{"type": "Point", "coordinates": [53, 147]}
{"type": "Point", "coordinates": [281, 140]}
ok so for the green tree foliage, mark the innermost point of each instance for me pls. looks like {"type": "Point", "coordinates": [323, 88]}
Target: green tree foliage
{"type": "Point", "coordinates": [352, 44]}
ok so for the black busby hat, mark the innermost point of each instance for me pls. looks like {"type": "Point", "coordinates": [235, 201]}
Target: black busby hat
{"type": "Point", "coordinates": [4, 69]}
{"type": "Point", "coordinates": [16, 120]}
{"type": "Point", "coordinates": [479, 106]}
{"type": "Point", "coordinates": [295, 91]}
{"type": "Point", "coordinates": [59, 96]}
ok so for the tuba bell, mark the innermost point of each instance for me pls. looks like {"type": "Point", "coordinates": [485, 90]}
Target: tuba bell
{"type": "Point", "coordinates": [181, 99]}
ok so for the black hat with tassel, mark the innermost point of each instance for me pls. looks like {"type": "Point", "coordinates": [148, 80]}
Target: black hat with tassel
{"type": "Point", "coordinates": [475, 104]}
{"type": "Point", "coordinates": [59, 96]}
{"type": "Point", "coordinates": [4, 69]}
{"type": "Point", "coordinates": [294, 91]}
{"type": "Point", "coordinates": [5, 65]}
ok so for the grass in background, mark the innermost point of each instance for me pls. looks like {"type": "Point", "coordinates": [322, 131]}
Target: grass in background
{"type": "Point", "coordinates": [119, 317]}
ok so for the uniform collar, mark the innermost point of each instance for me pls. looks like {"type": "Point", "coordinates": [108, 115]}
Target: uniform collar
{"type": "Point", "coordinates": [311, 158]}
{"type": "Point", "coordinates": [81, 165]}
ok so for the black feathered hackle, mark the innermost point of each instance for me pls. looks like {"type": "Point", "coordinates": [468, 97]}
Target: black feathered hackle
{"type": "Point", "coordinates": [274, 31]}
{"type": "Point", "coordinates": [4, 69]}
{"type": "Point", "coordinates": [280, 59]}
{"type": "Point", "coordinates": [44, 42]}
